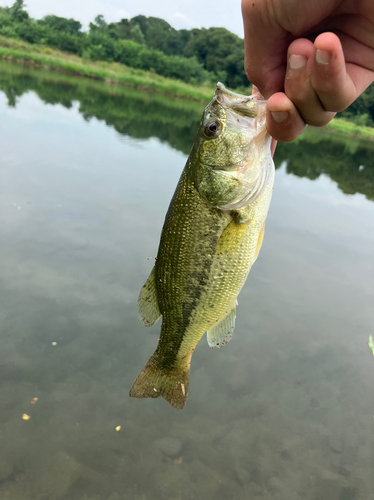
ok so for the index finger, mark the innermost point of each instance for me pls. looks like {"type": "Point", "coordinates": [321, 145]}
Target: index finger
{"type": "Point", "coordinates": [265, 44]}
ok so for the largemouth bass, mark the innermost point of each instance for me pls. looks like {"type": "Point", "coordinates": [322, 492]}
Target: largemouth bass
{"type": "Point", "coordinates": [212, 235]}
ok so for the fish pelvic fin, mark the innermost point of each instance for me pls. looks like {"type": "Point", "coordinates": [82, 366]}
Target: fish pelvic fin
{"type": "Point", "coordinates": [155, 381]}
{"type": "Point", "coordinates": [148, 309]}
{"type": "Point", "coordinates": [222, 332]}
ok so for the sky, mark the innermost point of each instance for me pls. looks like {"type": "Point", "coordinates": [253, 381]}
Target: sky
{"type": "Point", "coordinates": [180, 14]}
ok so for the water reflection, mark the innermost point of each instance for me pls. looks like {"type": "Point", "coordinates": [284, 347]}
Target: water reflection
{"type": "Point", "coordinates": [133, 113]}
{"type": "Point", "coordinates": [285, 411]}
{"type": "Point", "coordinates": [348, 161]}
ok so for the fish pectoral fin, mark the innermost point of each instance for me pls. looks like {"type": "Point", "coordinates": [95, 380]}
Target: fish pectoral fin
{"type": "Point", "coordinates": [221, 333]}
{"type": "Point", "coordinates": [148, 308]}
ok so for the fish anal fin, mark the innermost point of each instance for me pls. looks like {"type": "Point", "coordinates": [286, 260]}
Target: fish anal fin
{"type": "Point", "coordinates": [148, 308]}
{"type": "Point", "coordinates": [222, 332]}
{"type": "Point", "coordinates": [155, 381]}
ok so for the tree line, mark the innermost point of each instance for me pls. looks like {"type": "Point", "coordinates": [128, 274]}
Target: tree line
{"type": "Point", "coordinates": [149, 43]}
{"type": "Point", "coordinates": [195, 56]}
{"type": "Point", "coordinates": [133, 113]}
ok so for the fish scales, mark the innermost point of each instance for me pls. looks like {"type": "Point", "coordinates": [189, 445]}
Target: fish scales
{"type": "Point", "coordinates": [211, 236]}
{"type": "Point", "coordinates": [184, 261]}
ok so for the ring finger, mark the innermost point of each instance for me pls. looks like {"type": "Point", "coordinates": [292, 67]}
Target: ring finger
{"type": "Point", "coordinates": [298, 86]}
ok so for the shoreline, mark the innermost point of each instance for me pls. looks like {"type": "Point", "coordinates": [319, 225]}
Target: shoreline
{"type": "Point", "coordinates": [350, 129]}
{"type": "Point", "coordinates": [39, 57]}
{"type": "Point", "coordinates": [14, 51]}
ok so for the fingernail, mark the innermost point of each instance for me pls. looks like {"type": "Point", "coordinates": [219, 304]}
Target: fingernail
{"type": "Point", "coordinates": [296, 62]}
{"type": "Point", "coordinates": [322, 56]}
{"type": "Point", "coordinates": [279, 116]}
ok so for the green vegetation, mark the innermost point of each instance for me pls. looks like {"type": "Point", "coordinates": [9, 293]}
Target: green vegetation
{"type": "Point", "coordinates": [47, 58]}
{"type": "Point", "coordinates": [193, 56]}
{"type": "Point", "coordinates": [129, 111]}
{"type": "Point", "coordinates": [346, 160]}
{"type": "Point", "coordinates": [138, 114]}
{"type": "Point", "coordinates": [361, 112]}
{"type": "Point", "coordinates": [142, 50]}
{"type": "Point", "coordinates": [352, 128]}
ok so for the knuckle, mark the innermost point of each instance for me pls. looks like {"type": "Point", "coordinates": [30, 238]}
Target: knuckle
{"type": "Point", "coordinates": [248, 71]}
{"type": "Point", "coordinates": [252, 75]}
{"type": "Point", "coordinates": [297, 93]}
{"type": "Point", "coordinates": [332, 104]}
{"type": "Point", "coordinates": [286, 132]}
{"type": "Point", "coordinates": [319, 120]}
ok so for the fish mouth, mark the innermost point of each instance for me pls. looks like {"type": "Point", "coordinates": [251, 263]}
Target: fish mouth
{"type": "Point", "coordinates": [250, 106]}
{"type": "Point", "coordinates": [221, 88]}
{"type": "Point", "coordinates": [238, 171]}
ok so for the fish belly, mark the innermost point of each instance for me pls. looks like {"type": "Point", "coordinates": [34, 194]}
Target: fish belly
{"type": "Point", "coordinates": [203, 261]}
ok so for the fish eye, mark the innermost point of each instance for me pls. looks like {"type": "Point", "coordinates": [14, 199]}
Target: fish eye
{"type": "Point", "coordinates": [212, 128]}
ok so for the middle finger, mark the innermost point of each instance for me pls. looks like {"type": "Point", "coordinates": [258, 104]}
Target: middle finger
{"type": "Point", "coordinates": [298, 87]}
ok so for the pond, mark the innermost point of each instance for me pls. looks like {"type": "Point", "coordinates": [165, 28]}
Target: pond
{"type": "Point", "coordinates": [284, 412]}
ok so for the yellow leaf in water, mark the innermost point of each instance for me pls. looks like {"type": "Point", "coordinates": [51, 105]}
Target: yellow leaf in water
{"type": "Point", "coordinates": [371, 344]}
{"type": "Point", "coordinates": [118, 428]}
{"type": "Point", "coordinates": [25, 417]}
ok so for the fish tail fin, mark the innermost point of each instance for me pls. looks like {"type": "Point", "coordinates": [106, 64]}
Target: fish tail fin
{"type": "Point", "coordinates": [155, 381]}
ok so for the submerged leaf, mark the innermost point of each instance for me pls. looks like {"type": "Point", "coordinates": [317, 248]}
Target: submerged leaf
{"type": "Point", "coordinates": [371, 344]}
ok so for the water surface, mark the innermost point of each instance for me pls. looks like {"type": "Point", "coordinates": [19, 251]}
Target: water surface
{"type": "Point", "coordinates": [284, 412]}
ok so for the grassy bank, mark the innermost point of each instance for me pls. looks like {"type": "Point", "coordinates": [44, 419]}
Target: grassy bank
{"type": "Point", "coordinates": [350, 128]}
{"type": "Point", "coordinates": [40, 56]}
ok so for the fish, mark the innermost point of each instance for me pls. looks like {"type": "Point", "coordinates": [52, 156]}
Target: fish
{"type": "Point", "coordinates": [212, 235]}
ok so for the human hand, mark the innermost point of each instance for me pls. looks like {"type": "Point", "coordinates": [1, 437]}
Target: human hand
{"type": "Point", "coordinates": [309, 58]}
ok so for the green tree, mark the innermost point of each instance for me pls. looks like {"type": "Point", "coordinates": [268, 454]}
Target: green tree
{"type": "Point", "coordinates": [122, 29]}
{"type": "Point", "coordinates": [136, 34]}
{"type": "Point", "coordinates": [17, 11]}
{"type": "Point", "coordinates": [364, 105]}
{"type": "Point", "coordinates": [100, 22]}
{"type": "Point", "coordinates": [220, 52]}
{"type": "Point", "coordinates": [62, 24]}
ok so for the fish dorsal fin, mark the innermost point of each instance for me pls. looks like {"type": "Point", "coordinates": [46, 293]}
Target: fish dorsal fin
{"type": "Point", "coordinates": [221, 333]}
{"type": "Point", "coordinates": [148, 308]}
